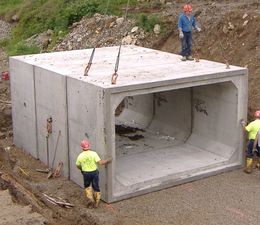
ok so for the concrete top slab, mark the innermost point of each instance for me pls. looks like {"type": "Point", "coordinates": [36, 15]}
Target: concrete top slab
{"type": "Point", "coordinates": [137, 66]}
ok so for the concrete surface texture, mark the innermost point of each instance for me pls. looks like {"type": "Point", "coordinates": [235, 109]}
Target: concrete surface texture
{"type": "Point", "coordinates": [164, 122]}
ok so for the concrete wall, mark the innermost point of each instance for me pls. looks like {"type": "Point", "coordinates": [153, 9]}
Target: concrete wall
{"type": "Point", "coordinates": [173, 113]}
{"type": "Point", "coordinates": [23, 106]}
{"type": "Point", "coordinates": [138, 111]}
{"type": "Point", "coordinates": [215, 118]}
{"type": "Point", "coordinates": [51, 101]}
{"type": "Point", "coordinates": [82, 120]}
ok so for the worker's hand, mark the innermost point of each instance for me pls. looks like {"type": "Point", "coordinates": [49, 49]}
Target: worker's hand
{"type": "Point", "coordinates": [243, 123]}
{"type": "Point", "coordinates": [181, 35]}
{"type": "Point", "coordinates": [109, 159]}
{"type": "Point", "coordinates": [198, 29]}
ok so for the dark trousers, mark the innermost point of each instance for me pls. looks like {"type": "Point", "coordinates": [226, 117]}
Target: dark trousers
{"type": "Point", "coordinates": [250, 148]}
{"type": "Point", "coordinates": [91, 178]}
{"type": "Point", "coordinates": [186, 44]}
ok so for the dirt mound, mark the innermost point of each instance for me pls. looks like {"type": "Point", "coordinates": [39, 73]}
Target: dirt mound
{"type": "Point", "coordinates": [12, 213]}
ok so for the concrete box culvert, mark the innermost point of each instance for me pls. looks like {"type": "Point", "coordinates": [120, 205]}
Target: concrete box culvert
{"type": "Point", "coordinates": [164, 122]}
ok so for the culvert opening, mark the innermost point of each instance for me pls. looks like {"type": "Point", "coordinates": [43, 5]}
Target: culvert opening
{"type": "Point", "coordinates": [179, 133]}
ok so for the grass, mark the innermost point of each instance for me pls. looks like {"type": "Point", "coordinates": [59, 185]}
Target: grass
{"type": "Point", "coordinates": [37, 16]}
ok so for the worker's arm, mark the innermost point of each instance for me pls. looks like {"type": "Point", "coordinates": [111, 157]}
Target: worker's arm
{"type": "Point", "coordinates": [180, 27]}
{"type": "Point", "coordinates": [256, 140]}
{"type": "Point", "coordinates": [104, 162]}
{"type": "Point", "coordinates": [243, 124]}
{"type": "Point", "coordinates": [78, 163]}
{"type": "Point", "coordinates": [79, 167]}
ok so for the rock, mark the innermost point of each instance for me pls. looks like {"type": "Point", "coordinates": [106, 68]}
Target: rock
{"type": "Point", "coordinates": [97, 17]}
{"type": "Point", "coordinates": [119, 21]}
{"type": "Point", "coordinates": [134, 29]}
{"type": "Point", "coordinates": [112, 24]}
{"type": "Point", "coordinates": [157, 29]}
{"type": "Point", "coordinates": [10, 134]}
{"type": "Point", "coordinates": [49, 32]}
{"type": "Point", "coordinates": [225, 29]}
{"type": "Point", "coordinates": [141, 35]}
{"type": "Point", "coordinates": [163, 1]}
{"type": "Point", "coordinates": [5, 30]}
{"type": "Point", "coordinates": [79, 39]}
{"type": "Point", "coordinates": [245, 23]}
{"type": "Point", "coordinates": [245, 16]}
{"type": "Point", "coordinates": [2, 135]}
{"type": "Point", "coordinates": [15, 18]}
{"type": "Point", "coordinates": [127, 40]}
{"type": "Point", "coordinates": [231, 26]}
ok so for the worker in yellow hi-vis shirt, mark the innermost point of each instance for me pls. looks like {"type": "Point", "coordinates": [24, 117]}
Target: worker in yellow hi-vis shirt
{"type": "Point", "coordinates": [252, 129]}
{"type": "Point", "coordinates": [87, 162]}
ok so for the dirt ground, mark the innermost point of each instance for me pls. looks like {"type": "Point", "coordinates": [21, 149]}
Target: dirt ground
{"type": "Point", "coordinates": [231, 31]}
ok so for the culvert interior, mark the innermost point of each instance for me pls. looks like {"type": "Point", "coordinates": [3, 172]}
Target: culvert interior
{"type": "Point", "coordinates": [174, 134]}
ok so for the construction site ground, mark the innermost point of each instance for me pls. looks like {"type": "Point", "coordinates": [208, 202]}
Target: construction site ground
{"type": "Point", "coordinates": [230, 30]}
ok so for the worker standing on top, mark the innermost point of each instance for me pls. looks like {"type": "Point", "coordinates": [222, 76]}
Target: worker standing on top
{"type": "Point", "coordinates": [252, 129]}
{"type": "Point", "coordinates": [87, 163]}
{"type": "Point", "coordinates": [185, 25]}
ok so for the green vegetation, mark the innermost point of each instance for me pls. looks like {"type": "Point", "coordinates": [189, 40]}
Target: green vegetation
{"type": "Point", "coordinates": [147, 23]}
{"type": "Point", "coordinates": [37, 16]}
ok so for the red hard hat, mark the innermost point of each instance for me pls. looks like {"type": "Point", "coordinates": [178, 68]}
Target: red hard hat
{"type": "Point", "coordinates": [187, 8]}
{"type": "Point", "coordinates": [84, 144]}
{"type": "Point", "coordinates": [257, 114]}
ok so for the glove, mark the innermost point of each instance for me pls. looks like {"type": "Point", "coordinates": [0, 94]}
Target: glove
{"type": "Point", "coordinates": [242, 122]}
{"type": "Point", "coordinates": [181, 35]}
{"type": "Point", "coordinates": [198, 29]}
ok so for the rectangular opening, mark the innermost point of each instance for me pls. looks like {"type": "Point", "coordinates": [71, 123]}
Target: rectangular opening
{"type": "Point", "coordinates": [173, 134]}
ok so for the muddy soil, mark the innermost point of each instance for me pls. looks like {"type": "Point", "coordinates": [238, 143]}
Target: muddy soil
{"type": "Point", "coordinates": [230, 31]}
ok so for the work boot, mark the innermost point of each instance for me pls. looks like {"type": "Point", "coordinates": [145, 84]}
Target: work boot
{"type": "Point", "coordinates": [190, 57]}
{"type": "Point", "coordinates": [89, 195]}
{"type": "Point", "coordinates": [249, 165]}
{"type": "Point", "coordinates": [183, 58]}
{"type": "Point", "coordinates": [258, 162]}
{"type": "Point", "coordinates": [97, 198]}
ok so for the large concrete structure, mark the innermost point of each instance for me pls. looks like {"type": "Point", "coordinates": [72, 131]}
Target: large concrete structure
{"type": "Point", "coordinates": [164, 122]}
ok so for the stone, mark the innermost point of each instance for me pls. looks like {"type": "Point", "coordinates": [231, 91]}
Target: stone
{"type": "Point", "coordinates": [127, 40]}
{"type": "Point", "coordinates": [15, 18]}
{"type": "Point", "coordinates": [245, 16]}
{"type": "Point", "coordinates": [157, 29]}
{"type": "Point", "coordinates": [2, 135]}
{"type": "Point", "coordinates": [231, 26]}
{"type": "Point", "coordinates": [119, 21]}
{"type": "Point", "coordinates": [49, 32]}
{"type": "Point", "coordinates": [225, 29]}
{"type": "Point", "coordinates": [135, 29]}
{"type": "Point", "coordinates": [245, 23]}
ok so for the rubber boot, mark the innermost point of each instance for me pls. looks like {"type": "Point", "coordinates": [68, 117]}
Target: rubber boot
{"type": "Point", "coordinates": [89, 195]}
{"type": "Point", "coordinates": [258, 162]}
{"type": "Point", "coordinates": [183, 58]}
{"type": "Point", "coordinates": [249, 165]}
{"type": "Point", "coordinates": [97, 198]}
{"type": "Point", "coordinates": [190, 57]}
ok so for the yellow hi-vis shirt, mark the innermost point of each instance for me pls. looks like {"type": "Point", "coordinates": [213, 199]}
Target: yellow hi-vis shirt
{"type": "Point", "coordinates": [252, 128]}
{"type": "Point", "coordinates": [87, 160]}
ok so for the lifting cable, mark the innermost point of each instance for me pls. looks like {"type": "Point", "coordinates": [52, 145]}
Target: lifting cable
{"type": "Point", "coordinates": [94, 48]}
{"type": "Point", "coordinates": [225, 58]}
{"type": "Point", "coordinates": [115, 75]}
{"type": "Point", "coordinates": [196, 51]}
